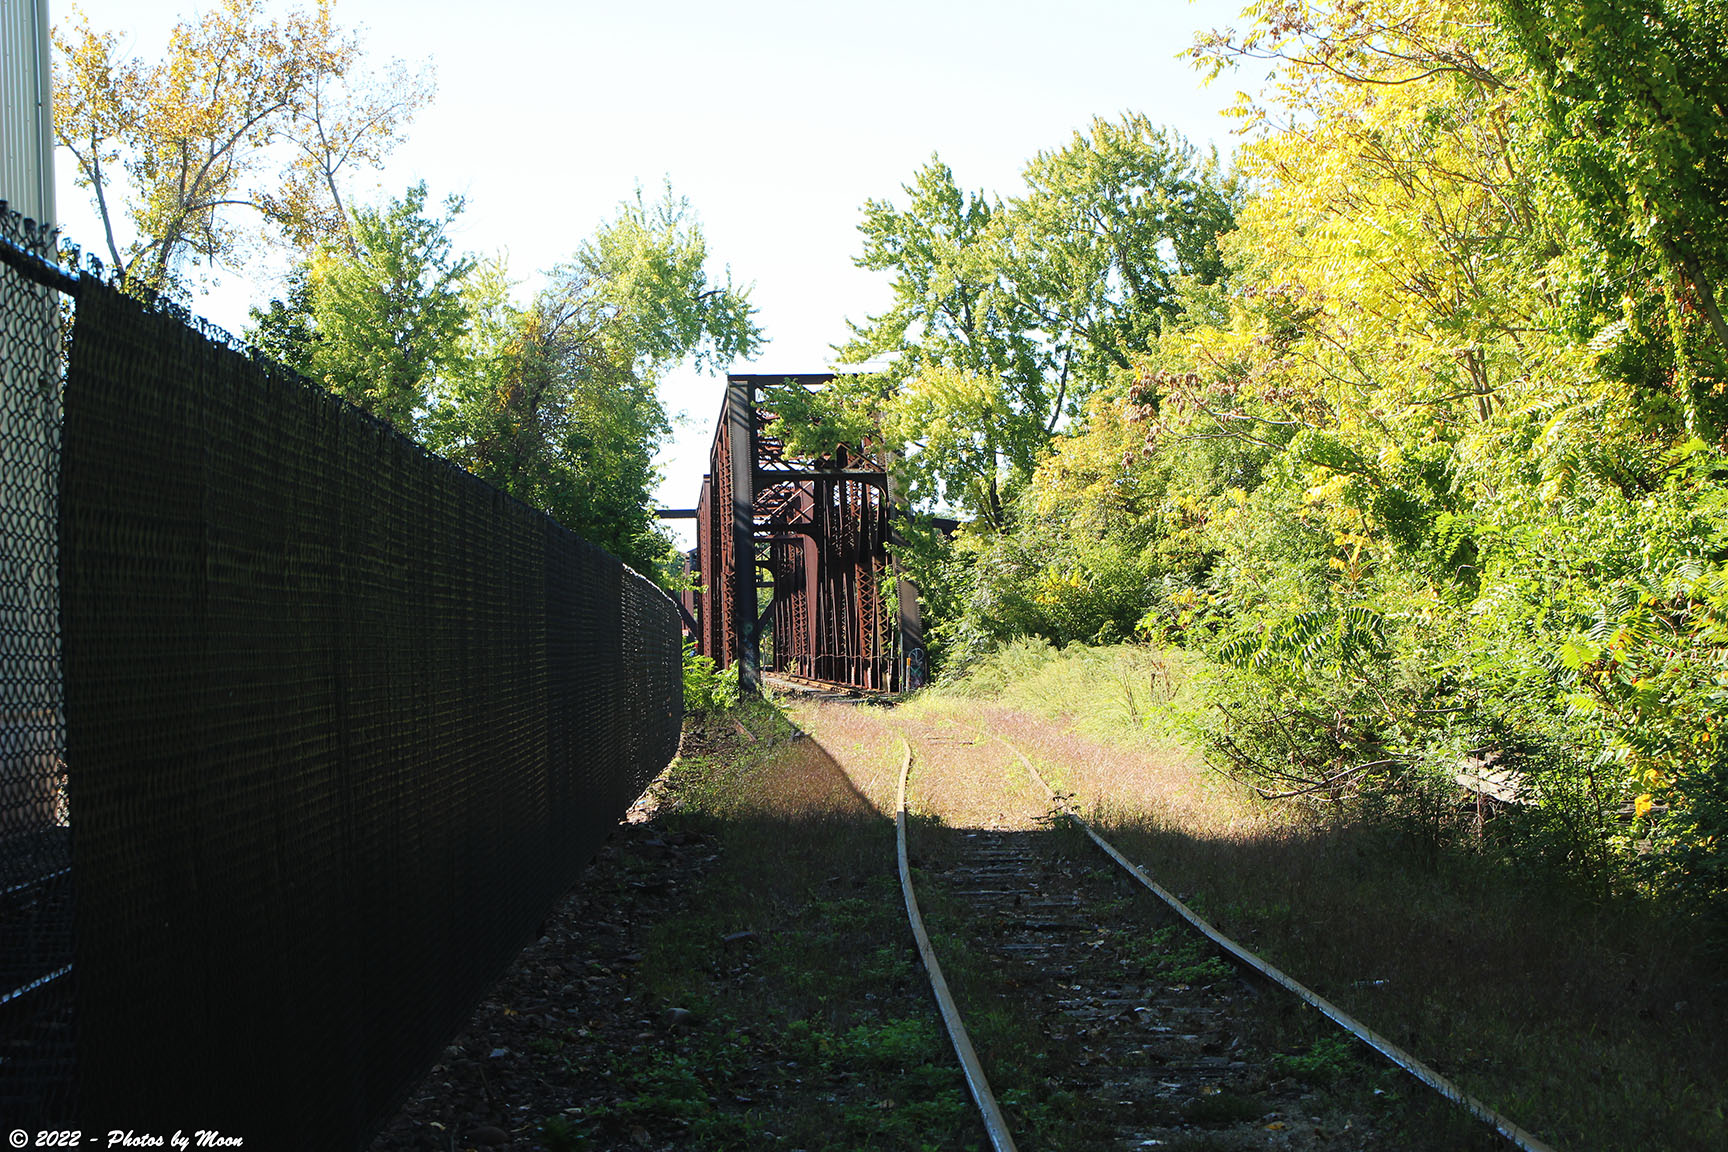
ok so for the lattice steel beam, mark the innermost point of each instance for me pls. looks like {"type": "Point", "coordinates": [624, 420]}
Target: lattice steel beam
{"type": "Point", "coordinates": [824, 526]}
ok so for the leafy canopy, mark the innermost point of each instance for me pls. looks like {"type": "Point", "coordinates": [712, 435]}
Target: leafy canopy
{"type": "Point", "coordinates": [241, 112]}
{"type": "Point", "coordinates": [553, 401]}
{"type": "Point", "coordinates": [1007, 315]}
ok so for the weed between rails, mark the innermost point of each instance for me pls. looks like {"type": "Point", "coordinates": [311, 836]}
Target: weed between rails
{"type": "Point", "coordinates": [737, 974]}
{"type": "Point", "coordinates": [1279, 1076]}
{"type": "Point", "coordinates": [805, 1021]}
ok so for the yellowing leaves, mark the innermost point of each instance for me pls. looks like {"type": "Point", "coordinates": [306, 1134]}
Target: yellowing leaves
{"type": "Point", "coordinates": [1055, 588]}
{"type": "Point", "coordinates": [1088, 477]}
{"type": "Point", "coordinates": [1328, 489]}
{"type": "Point", "coordinates": [242, 111]}
{"type": "Point", "coordinates": [1391, 194]}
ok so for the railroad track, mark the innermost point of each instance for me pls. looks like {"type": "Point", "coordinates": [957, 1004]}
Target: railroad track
{"type": "Point", "coordinates": [824, 690]}
{"type": "Point", "coordinates": [1144, 1019]}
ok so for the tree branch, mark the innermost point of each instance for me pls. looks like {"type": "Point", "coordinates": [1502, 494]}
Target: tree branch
{"type": "Point", "coordinates": [1701, 284]}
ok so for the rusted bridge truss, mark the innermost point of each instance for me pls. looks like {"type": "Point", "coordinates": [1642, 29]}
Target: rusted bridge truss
{"type": "Point", "coordinates": [796, 551]}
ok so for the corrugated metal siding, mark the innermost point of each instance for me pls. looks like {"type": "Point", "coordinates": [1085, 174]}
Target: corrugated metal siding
{"type": "Point", "coordinates": [26, 110]}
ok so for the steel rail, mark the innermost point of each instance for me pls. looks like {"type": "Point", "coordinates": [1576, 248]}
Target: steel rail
{"type": "Point", "coordinates": [994, 1124]}
{"type": "Point", "coordinates": [1518, 1136]}
{"type": "Point", "coordinates": [853, 692]}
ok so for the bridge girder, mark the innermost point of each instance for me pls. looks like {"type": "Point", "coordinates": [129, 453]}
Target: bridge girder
{"type": "Point", "coordinates": [840, 612]}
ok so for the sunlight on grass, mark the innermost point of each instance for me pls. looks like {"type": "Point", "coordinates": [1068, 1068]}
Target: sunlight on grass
{"type": "Point", "coordinates": [1124, 692]}
{"type": "Point", "coordinates": [1593, 1019]}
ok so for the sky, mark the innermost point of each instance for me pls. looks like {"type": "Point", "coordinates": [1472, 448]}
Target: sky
{"type": "Point", "coordinates": [777, 120]}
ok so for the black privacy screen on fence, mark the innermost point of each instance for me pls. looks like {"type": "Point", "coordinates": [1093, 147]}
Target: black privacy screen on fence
{"type": "Point", "coordinates": [341, 722]}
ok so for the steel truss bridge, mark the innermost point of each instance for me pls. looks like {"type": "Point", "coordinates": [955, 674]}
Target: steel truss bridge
{"type": "Point", "coordinates": [795, 551]}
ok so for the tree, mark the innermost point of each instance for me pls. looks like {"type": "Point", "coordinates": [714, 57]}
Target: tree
{"type": "Point", "coordinates": [376, 319]}
{"type": "Point", "coordinates": [1007, 316]}
{"type": "Point", "coordinates": [1470, 505]}
{"type": "Point", "coordinates": [1109, 225]}
{"type": "Point", "coordinates": [387, 308]}
{"type": "Point", "coordinates": [544, 413]}
{"type": "Point", "coordinates": [557, 403]}
{"type": "Point", "coordinates": [241, 112]}
{"type": "Point", "coordinates": [641, 287]}
{"type": "Point", "coordinates": [1634, 96]}
{"type": "Point", "coordinates": [554, 402]}
{"type": "Point", "coordinates": [957, 350]}
{"type": "Point", "coordinates": [283, 329]}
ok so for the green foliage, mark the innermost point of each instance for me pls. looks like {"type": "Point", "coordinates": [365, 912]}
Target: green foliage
{"type": "Point", "coordinates": [1435, 473]}
{"type": "Point", "coordinates": [554, 402]}
{"type": "Point", "coordinates": [1328, 1059]}
{"type": "Point", "coordinates": [563, 1134]}
{"type": "Point", "coordinates": [387, 308]}
{"type": "Point", "coordinates": [1324, 638]}
{"type": "Point", "coordinates": [1632, 95]}
{"type": "Point", "coordinates": [283, 329]}
{"type": "Point", "coordinates": [897, 1045]}
{"type": "Point", "coordinates": [705, 689]}
{"type": "Point", "coordinates": [1008, 315]}
{"type": "Point", "coordinates": [1023, 585]}
{"type": "Point", "coordinates": [560, 408]}
{"type": "Point", "coordinates": [546, 415]}
{"type": "Point", "coordinates": [641, 288]}
{"type": "Point", "coordinates": [1109, 227]}
{"type": "Point", "coordinates": [974, 403]}
{"type": "Point", "coordinates": [1176, 956]}
{"type": "Point", "coordinates": [379, 317]}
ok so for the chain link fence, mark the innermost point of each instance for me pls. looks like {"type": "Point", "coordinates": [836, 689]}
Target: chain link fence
{"type": "Point", "coordinates": [316, 726]}
{"type": "Point", "coordinates": [36, 1040]}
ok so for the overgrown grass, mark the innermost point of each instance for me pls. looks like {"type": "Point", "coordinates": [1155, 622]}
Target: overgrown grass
{"type": "Point", "coordinates": [963, 780]}
{"type": "Point", "coordinates": [1599, 1023]}
{"type": "Point", "coordinates": [1600, 1020]}
{"type": "Point", "coordinates": [808, 1023]}
{"type": "Point", "coordinates": [1122, 693]}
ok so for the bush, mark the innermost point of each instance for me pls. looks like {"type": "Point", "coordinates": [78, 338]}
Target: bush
{"type": "Point", "coordinates": [707, 689]}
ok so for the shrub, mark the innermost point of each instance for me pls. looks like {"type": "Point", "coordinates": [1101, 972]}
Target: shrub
{"type": "Point", "coordinates": [707, 689]}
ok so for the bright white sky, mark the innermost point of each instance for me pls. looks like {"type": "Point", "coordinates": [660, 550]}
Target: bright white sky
{"type": "Point", "coordinates": [776, 118]}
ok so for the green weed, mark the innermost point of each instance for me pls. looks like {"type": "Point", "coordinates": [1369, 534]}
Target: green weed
{"type": "Point", "coordinates": [1175, 955]}
{"type": "Point", "coordinates": [563, 1134]}
{"type": "Point", "coordinates": [707, 689]}
{"type": "Point", "coordinates": [1327, 1060]}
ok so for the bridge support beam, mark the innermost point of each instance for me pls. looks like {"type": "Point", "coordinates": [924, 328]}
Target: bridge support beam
{"type": "Point", "coordinates": [740, 432]}
{"type": "Point", "coordinates": [820, 528]}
